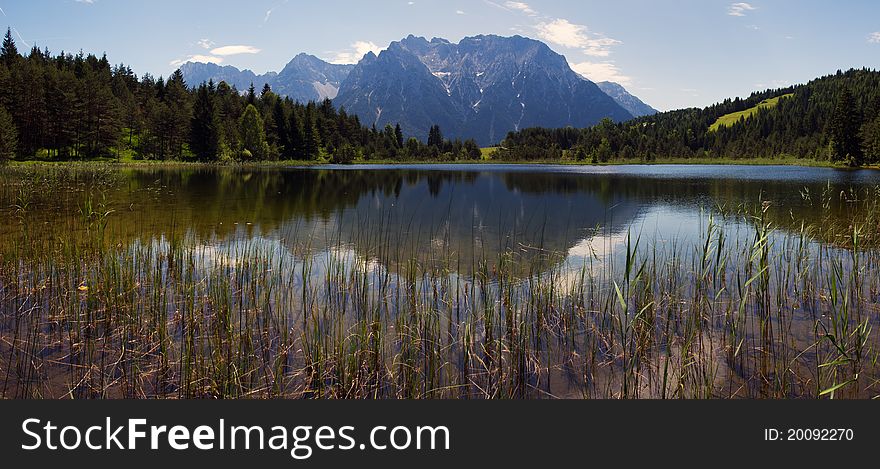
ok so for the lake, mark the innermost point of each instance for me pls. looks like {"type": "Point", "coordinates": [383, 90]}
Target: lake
{"type": "Point", "coordinates": [439, 281]}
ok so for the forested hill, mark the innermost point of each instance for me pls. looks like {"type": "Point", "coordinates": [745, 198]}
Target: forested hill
{"type": "Point", "coordinates": [836, 117]}
{"type": "Point", "coordinates": [76, 107]}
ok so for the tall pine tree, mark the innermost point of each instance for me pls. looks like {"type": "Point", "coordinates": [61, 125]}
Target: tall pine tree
{"type": "Point", "coordinates": [8, 136]}
{"type": "Point", "coordinates": [204, 132]}
{"type": "Point", "coordinates": [844, 130]}
{"type": "Point", "coordinates": [8, 52]}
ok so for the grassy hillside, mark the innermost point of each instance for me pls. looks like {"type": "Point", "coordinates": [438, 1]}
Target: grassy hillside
{"type": "Point", "coordinates": [761, 126]}
{"type": "Point", "coordinates": [734, 117]}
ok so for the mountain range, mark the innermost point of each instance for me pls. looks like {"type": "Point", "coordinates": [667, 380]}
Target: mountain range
{"type": "Point", "coordinates": [482, 87]}
{"type": "Point", "coordinates": [305, 78]}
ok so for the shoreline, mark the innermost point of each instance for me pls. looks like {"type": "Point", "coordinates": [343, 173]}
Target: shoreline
{"type": "Point", "coordinates": [127, 163]}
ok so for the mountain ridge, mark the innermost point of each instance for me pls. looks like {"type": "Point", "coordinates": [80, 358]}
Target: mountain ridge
{"type": "Point", "coordinates": [482, 87]}
{"type": "Point", "coordinates": [304, 78]}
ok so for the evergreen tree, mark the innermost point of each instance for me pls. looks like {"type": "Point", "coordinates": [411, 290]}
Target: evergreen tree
{"type": "Point", "coordinates": [844, 130]}
{"type": "Point", "coordinates": [311, 136]}
{"type": "Point", "coordinates": [252, 95]}
{"type": "Point", "coordinates": [435, 137]}
{"type": "Point", "coordinates": [8, 136]}
{"type": "Point", "coordinates": [871, 141]}
{"type": "Point", "coordinates": [8, 52]}
{"type": "Point", "coordinates": [280, 121]}
{"type": "Point", "coordinates": [296, 137]}
{"type": "Point", "coordinates": [229, 108]}
{"type": "Point", "coordinates": [398, 135]}
{"type": "Point", "coordinates": [205, 128]}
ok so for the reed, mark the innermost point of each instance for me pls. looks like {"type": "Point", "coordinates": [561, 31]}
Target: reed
{"type": "Point", "coordinates": [747, 311]}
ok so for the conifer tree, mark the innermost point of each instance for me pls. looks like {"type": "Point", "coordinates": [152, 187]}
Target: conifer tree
{"type": "Point", "coordinates": [8, 136]}
{"type": "Point", "coordinates": [311, 136]}
{"type": "Point", "coordinates": [844, 130]}
{"type": "Point", "coordinates": [296, 139]}
{"type": "Point", "coordinates": [398, 135]}
{"type": "Point", "coordinates": [252, 94]}
{"type": "Point", "coordinates": [204, 129]}
{"type": "Point", "coordinates": [8, 52]}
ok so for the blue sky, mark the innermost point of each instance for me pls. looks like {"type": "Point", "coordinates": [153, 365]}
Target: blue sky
{"type": "Point", "coordinates": [672, 54]}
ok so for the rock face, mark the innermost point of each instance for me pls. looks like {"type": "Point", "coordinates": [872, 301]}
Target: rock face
{"type": "Point", "coordinates": [481, 88]}
{"type": "Point", "coordinates": [634, 105]}
{"type": "Point", "coordinates": [305, 78]}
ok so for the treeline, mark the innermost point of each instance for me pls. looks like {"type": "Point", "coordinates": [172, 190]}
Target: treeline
{"type": "Point", "coordinates": [835, 118]}
{"type": "Point", "coordinates": [79, 107]}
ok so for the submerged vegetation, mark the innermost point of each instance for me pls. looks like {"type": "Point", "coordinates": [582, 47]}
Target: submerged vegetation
{"type": "Point", "coordinates": [763, 304]}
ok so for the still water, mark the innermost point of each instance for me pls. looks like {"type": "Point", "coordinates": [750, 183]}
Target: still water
{"type": "Point", "coordinates": [519, 279]}
{"type": "Point", "coordinates": [436, 209]}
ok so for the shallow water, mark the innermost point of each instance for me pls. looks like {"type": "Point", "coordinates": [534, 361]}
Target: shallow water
{"type": "Point", "coordinates": [435, 209]}
{"type": "Point", "coordinates": [297, 237]}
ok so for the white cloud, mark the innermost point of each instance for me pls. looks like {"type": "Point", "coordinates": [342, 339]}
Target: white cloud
{"type": "Point", "coordinates": [459, 12]}
{"type": "Point", "coordinates": [600, 46]}
{"type": "Point", "coordinates": [740, 9]}
{"type": "Point", "coordinates": [601, 71]}
{"type": "Point", "coordinates": [215, 55]}
{"type": "Point", "coordinates": [209, 59]}
{"type": "Point", "coordinates": [87, 2]}
{"type": "Point", "coordinates": [520, 6]}
{"type": "Point", "coordinates": [270, 10]}
{"type": "Point", "coordinates": [874, 38]}
{"type": "Point", "coordinates": [358, 50]}
{"type": "Point", "coordinates": [235, 50]}
{"type": "Point", "coordinates": [564, 33]}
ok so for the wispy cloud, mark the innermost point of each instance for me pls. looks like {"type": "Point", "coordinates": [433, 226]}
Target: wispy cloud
{"type": "Point", "coordinates": [87, 2]}
{"type": "Point", "coordinates": [208, 59]}
{"type": "Point", "coordinates": [562, 32]}
{"type": "Point", "coordinates": [234, 50]}
{"type": "Point", "coordinates": [459, 12]}
{"type": "Point", "coordinates": [874, 38]}
{"type": "Point", "coordinates": [215, 55]}
{"type": "Point", "coordinates": [272, 9]}
{"type": "Point", "coordinates": [357, 51]}
{"type": "Point", "coordinates": [576, 36]}
{"type": "Point", "coordinates": [740, 9]}
{"type": "Point", "coordinates": [602, 71]}
{"type": "Point", "coordinates": [520, 6]}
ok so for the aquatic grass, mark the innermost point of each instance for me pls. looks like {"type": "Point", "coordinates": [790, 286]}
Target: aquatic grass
{"type": "Point", "coordinates": [748, 310]}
